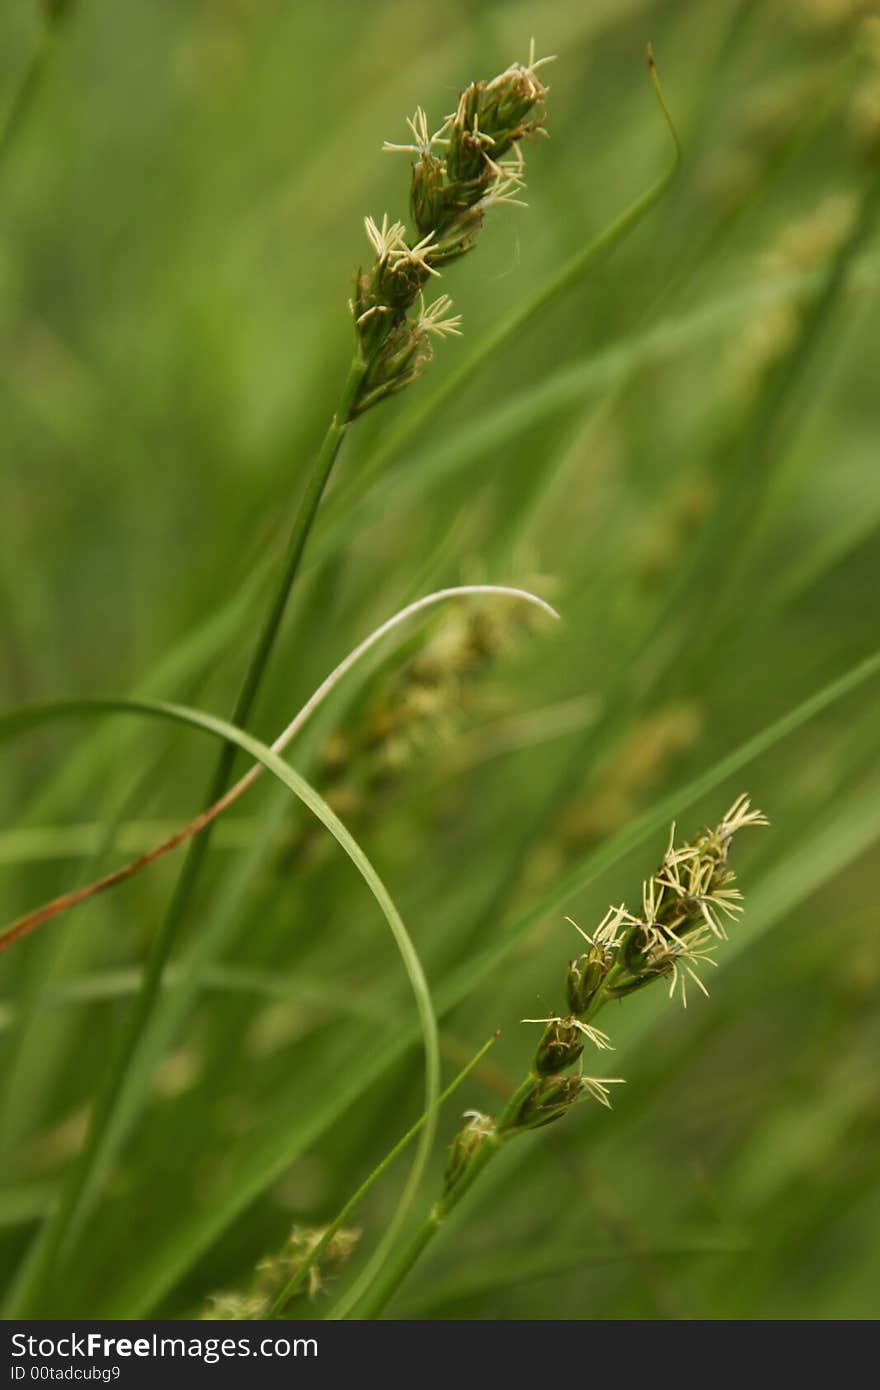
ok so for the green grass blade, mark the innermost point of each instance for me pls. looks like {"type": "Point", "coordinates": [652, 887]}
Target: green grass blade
{"type": "Point", "coordinates": [296, 1282]}
{"type": "Point", "coordinates": [267, 1159]}
{"type": "Point", "coordinates": [52, 1239]}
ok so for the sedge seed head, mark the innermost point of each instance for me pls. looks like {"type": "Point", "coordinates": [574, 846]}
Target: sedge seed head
{"type": "Point", "coordinates": [471, 163]}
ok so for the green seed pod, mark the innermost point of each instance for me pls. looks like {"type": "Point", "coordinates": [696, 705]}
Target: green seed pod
{"type": "Point", "coordinates": [547, 1101]}
{"type": "Point", "coordinates": [468, 145]}
{"type": "Point", "coordinates": [433, 203]}
{"type": "Point", "coordinates": [402, 282]}
{"type": "Point", "coordinates": [635, 950]}
{"type": "Point", "coordinates": [583, 979]}
{"type": "Point", "coordinates": [637, 982]}
{"type": "Point", "coordinates": [561, 1044]}
{"type": "Point", "coordinates": [400, 359]}
{"type": "Point", "coordinates": [459, 238]}
{"type": "Point", "coordinates": [463, 1147]}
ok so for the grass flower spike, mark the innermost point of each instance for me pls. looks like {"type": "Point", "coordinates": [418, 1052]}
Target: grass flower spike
{"type": "Point", "coordinates": [273, 1274]}
{"type": "Point", "coordinates": [467, 166]}
{"type": "Point", "coordinates": [683, 906]}
{"type": "Point", "coordinates": [480, 165]}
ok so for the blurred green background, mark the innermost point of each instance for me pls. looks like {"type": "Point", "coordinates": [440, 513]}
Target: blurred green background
{"type": "Point", "coordinates": [681, 454]}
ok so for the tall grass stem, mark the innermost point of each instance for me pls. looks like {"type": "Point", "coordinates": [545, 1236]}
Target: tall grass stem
{"type": "Point", "coordinates": [54, 1234]}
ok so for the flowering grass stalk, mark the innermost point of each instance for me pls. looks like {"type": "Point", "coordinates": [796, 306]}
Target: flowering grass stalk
{"type": "Point", "coordinates": [449, 198]}
{"type": "Point", "coordinates": [684, 907]}
{"type": "Point", "coordinates": [303, 1274]}
{"type": "Point", "coordinates": [470, 164]}
{"type": "Point", "coordinates": [520, 315]}
{"type": "Point", "coordinates": [298, 1261]}
{"type": "Point", "coordinates": [450, 195]}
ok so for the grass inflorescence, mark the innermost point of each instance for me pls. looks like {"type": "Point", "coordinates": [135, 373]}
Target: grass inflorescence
{"type": "Point", "coordinates": [470, 164]}
{"type": "Point", "coordinates": [654, 395]}
{"type": "Point", "coordinates": [684, 907]}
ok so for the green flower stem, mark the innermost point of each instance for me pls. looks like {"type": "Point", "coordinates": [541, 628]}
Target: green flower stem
{"type": "Point", "coordinates": [398, 1269]}
{"type": "Point", "coordinates": [504, 1130]}
{"type": "Point", "coordinates": [296, 1282]}
{"type": "Point", "coordinates": [683, 906]}
{"type": "Point", "coordinates": [305, 517]}
{"type": "Point", "coordinates": [54, 1239]}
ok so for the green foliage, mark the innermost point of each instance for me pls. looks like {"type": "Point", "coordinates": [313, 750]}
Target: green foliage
{"type": "Point", "coordinates": [677, 447]}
